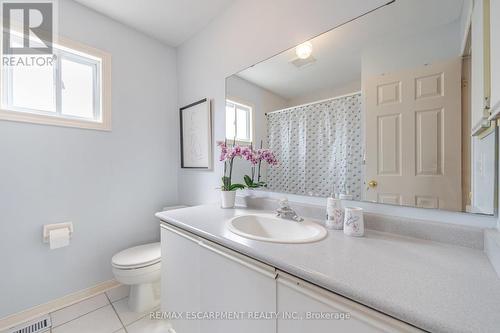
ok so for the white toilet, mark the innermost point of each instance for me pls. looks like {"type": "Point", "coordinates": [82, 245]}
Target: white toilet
{"type": "Point", "coordinates": [139, 267]}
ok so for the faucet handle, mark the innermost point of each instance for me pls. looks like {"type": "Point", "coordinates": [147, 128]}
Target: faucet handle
{"type": "Point", "coordinates": [284, 203]}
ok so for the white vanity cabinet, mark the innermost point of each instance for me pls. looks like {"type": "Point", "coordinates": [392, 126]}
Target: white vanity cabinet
{"type": "Point", "coordinates": [308, 308]}
{"type": "Point", "coordinates": [204, 280]}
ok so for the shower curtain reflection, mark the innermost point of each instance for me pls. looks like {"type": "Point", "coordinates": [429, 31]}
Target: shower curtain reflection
{"type": "Point", "coordinates": [319, 146]}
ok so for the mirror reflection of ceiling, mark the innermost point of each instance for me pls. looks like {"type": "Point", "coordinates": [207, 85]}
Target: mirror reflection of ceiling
{"type": "Point", "coordinates": [419, 31]}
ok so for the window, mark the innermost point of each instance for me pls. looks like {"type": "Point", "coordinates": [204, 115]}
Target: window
{"type": "Point", "coordinates": [238, 122]}
{"type": "Point", "coordinates": [72, 89]}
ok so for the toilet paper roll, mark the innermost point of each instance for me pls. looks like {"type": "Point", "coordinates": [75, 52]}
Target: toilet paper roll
{"type": "Point", "coordinates": [58, 238]}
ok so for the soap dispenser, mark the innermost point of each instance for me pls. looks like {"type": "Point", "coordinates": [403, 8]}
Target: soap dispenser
{"type": "Point", "coordinates": [334, 213]}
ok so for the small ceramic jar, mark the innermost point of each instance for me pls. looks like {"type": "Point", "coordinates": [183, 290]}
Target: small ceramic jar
{"type": "Point", "coordinates": [354, 224]}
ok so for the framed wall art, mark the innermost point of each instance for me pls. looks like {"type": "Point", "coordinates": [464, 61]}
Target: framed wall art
{"type": "Point", "coordinates": [196, 135]}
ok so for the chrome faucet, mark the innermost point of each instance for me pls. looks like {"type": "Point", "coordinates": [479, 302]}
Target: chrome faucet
{"type": "Point", "coordinates": [286, 212]}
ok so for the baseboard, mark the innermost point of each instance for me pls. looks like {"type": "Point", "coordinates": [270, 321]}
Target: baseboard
{"type": "Point", "coordinates": [43, 309]}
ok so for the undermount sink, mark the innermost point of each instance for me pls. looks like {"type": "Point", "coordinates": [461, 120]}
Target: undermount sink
{"type": "Point", "coordinates": [269, 228]}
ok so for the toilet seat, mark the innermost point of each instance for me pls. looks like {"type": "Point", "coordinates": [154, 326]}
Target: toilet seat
{"type": "Point", "coordinates": [137, 257]}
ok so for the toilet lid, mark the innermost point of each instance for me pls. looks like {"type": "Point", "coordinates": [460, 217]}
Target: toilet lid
{"type": "Point", "coordinates": [138, 256]}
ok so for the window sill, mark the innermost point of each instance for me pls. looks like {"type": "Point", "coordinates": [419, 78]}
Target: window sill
{"type": "Point", "coordinates": [25, 117]}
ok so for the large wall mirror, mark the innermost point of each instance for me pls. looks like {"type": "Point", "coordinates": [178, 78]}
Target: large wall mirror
{"type": "Point", "coordinates": [389, 108]}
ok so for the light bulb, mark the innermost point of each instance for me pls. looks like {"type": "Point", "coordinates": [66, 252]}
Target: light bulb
{"type": "Point", "coordinates": [304, 50]}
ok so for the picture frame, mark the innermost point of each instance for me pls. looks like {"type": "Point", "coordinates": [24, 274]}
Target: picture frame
{"type": "Point", "coordinates": [196, 135]}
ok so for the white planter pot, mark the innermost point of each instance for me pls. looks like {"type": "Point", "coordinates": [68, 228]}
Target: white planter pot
{"type": "Point", "coordinates": [227, 199]}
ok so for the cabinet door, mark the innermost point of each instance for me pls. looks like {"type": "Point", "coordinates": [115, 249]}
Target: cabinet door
{"type": "Point", "coordinates": [480, 83]}
{"type": "Point", "coordinates": [307, 308]}
{"type": "Point", "coordinates": [180, 278]}
{"type": "Point", "coordinates": [495, 55]}
{"type": "Point", "coordinates": [232, 283]}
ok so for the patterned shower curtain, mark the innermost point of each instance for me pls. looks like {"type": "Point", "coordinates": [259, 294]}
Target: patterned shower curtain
{"type": "Point", "coordinates": [319, 148]}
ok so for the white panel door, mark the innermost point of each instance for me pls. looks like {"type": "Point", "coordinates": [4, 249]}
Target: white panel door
{"type": "Point", "coordinates": [180, 278]}
{"type": "Point", "coordinates": [300, 302]}
{"type": "Point", "coordinates": [233, 283]}
{"type": "Point", "coordinates": [413, 136]}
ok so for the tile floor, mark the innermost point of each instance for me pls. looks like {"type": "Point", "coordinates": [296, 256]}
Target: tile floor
{"type": "Point", "coordinates": [105, 313]}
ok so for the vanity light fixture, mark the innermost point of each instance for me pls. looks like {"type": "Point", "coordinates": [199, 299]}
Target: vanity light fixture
{"type": "Point", "coordinates": [304, 50]}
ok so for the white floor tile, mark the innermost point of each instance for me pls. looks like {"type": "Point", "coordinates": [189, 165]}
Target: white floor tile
{"type": "Point", "coordinates": [146, 325]}
{"type": "Point", "coordinates": [125, 314]}
{"type": "Point", "coordinates": [79, 309]}
{"type": "Point", "coordinates": [118, 293]}
{"type": "Point", "coordinates": [103, 320]}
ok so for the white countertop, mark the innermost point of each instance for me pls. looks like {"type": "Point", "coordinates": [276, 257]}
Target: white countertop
{"type": "Point", "coordinates": [434, 286]}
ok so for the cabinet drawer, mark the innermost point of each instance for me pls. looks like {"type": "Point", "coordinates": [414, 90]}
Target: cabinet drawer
{"type": "Point", "coordinates": [318, 310]}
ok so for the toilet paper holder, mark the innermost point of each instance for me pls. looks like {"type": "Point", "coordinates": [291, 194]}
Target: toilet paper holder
{"type": "Point", "coordinates": [47, 228]}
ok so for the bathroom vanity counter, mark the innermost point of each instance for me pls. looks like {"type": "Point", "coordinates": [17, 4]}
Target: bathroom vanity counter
{"type": "Point", "coordinates": [436, 287]}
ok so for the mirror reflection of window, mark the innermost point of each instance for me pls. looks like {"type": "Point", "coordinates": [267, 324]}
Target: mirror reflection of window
{"type": "Point", "coordinates": [238, 122]}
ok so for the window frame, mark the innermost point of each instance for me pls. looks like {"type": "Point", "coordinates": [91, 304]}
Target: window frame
{"type": "Point", "coordinates": [79, 53]}
{"type": "Point", "coordinates": [96, 71]}
{"type": "Point", "coordinates": [251, 129]}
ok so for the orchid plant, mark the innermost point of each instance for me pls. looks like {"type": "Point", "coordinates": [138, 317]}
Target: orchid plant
{"type": "Point", "coordinates": [255, 157]}
{"type": "Point", "coordinates": [227, 155]}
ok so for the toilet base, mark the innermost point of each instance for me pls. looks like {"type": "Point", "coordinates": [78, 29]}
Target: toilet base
{"type": "Point", "coordinates": [144, 297]}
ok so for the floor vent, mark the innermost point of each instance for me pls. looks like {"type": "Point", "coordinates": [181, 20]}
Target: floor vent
{"type": "Point", "coordinates": [38, 325]}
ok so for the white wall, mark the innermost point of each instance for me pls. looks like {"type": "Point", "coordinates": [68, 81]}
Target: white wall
{"type": "Point", "coordinates": [109, 184]}
{"type": "Point", "coordinates": [228, 45]}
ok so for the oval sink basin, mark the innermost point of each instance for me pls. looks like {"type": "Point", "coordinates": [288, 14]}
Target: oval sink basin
{"type": "Point", "coordinates": [268, 228]}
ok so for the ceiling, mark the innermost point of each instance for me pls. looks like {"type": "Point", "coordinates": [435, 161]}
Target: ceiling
{"type": "Point", "coordinates": [170, 21]}
{"type": "Point", "coordinates": [339, 52]}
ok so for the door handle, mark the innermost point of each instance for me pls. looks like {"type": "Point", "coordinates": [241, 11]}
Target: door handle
{"type": "Point", "coordinates": [372, 184]}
